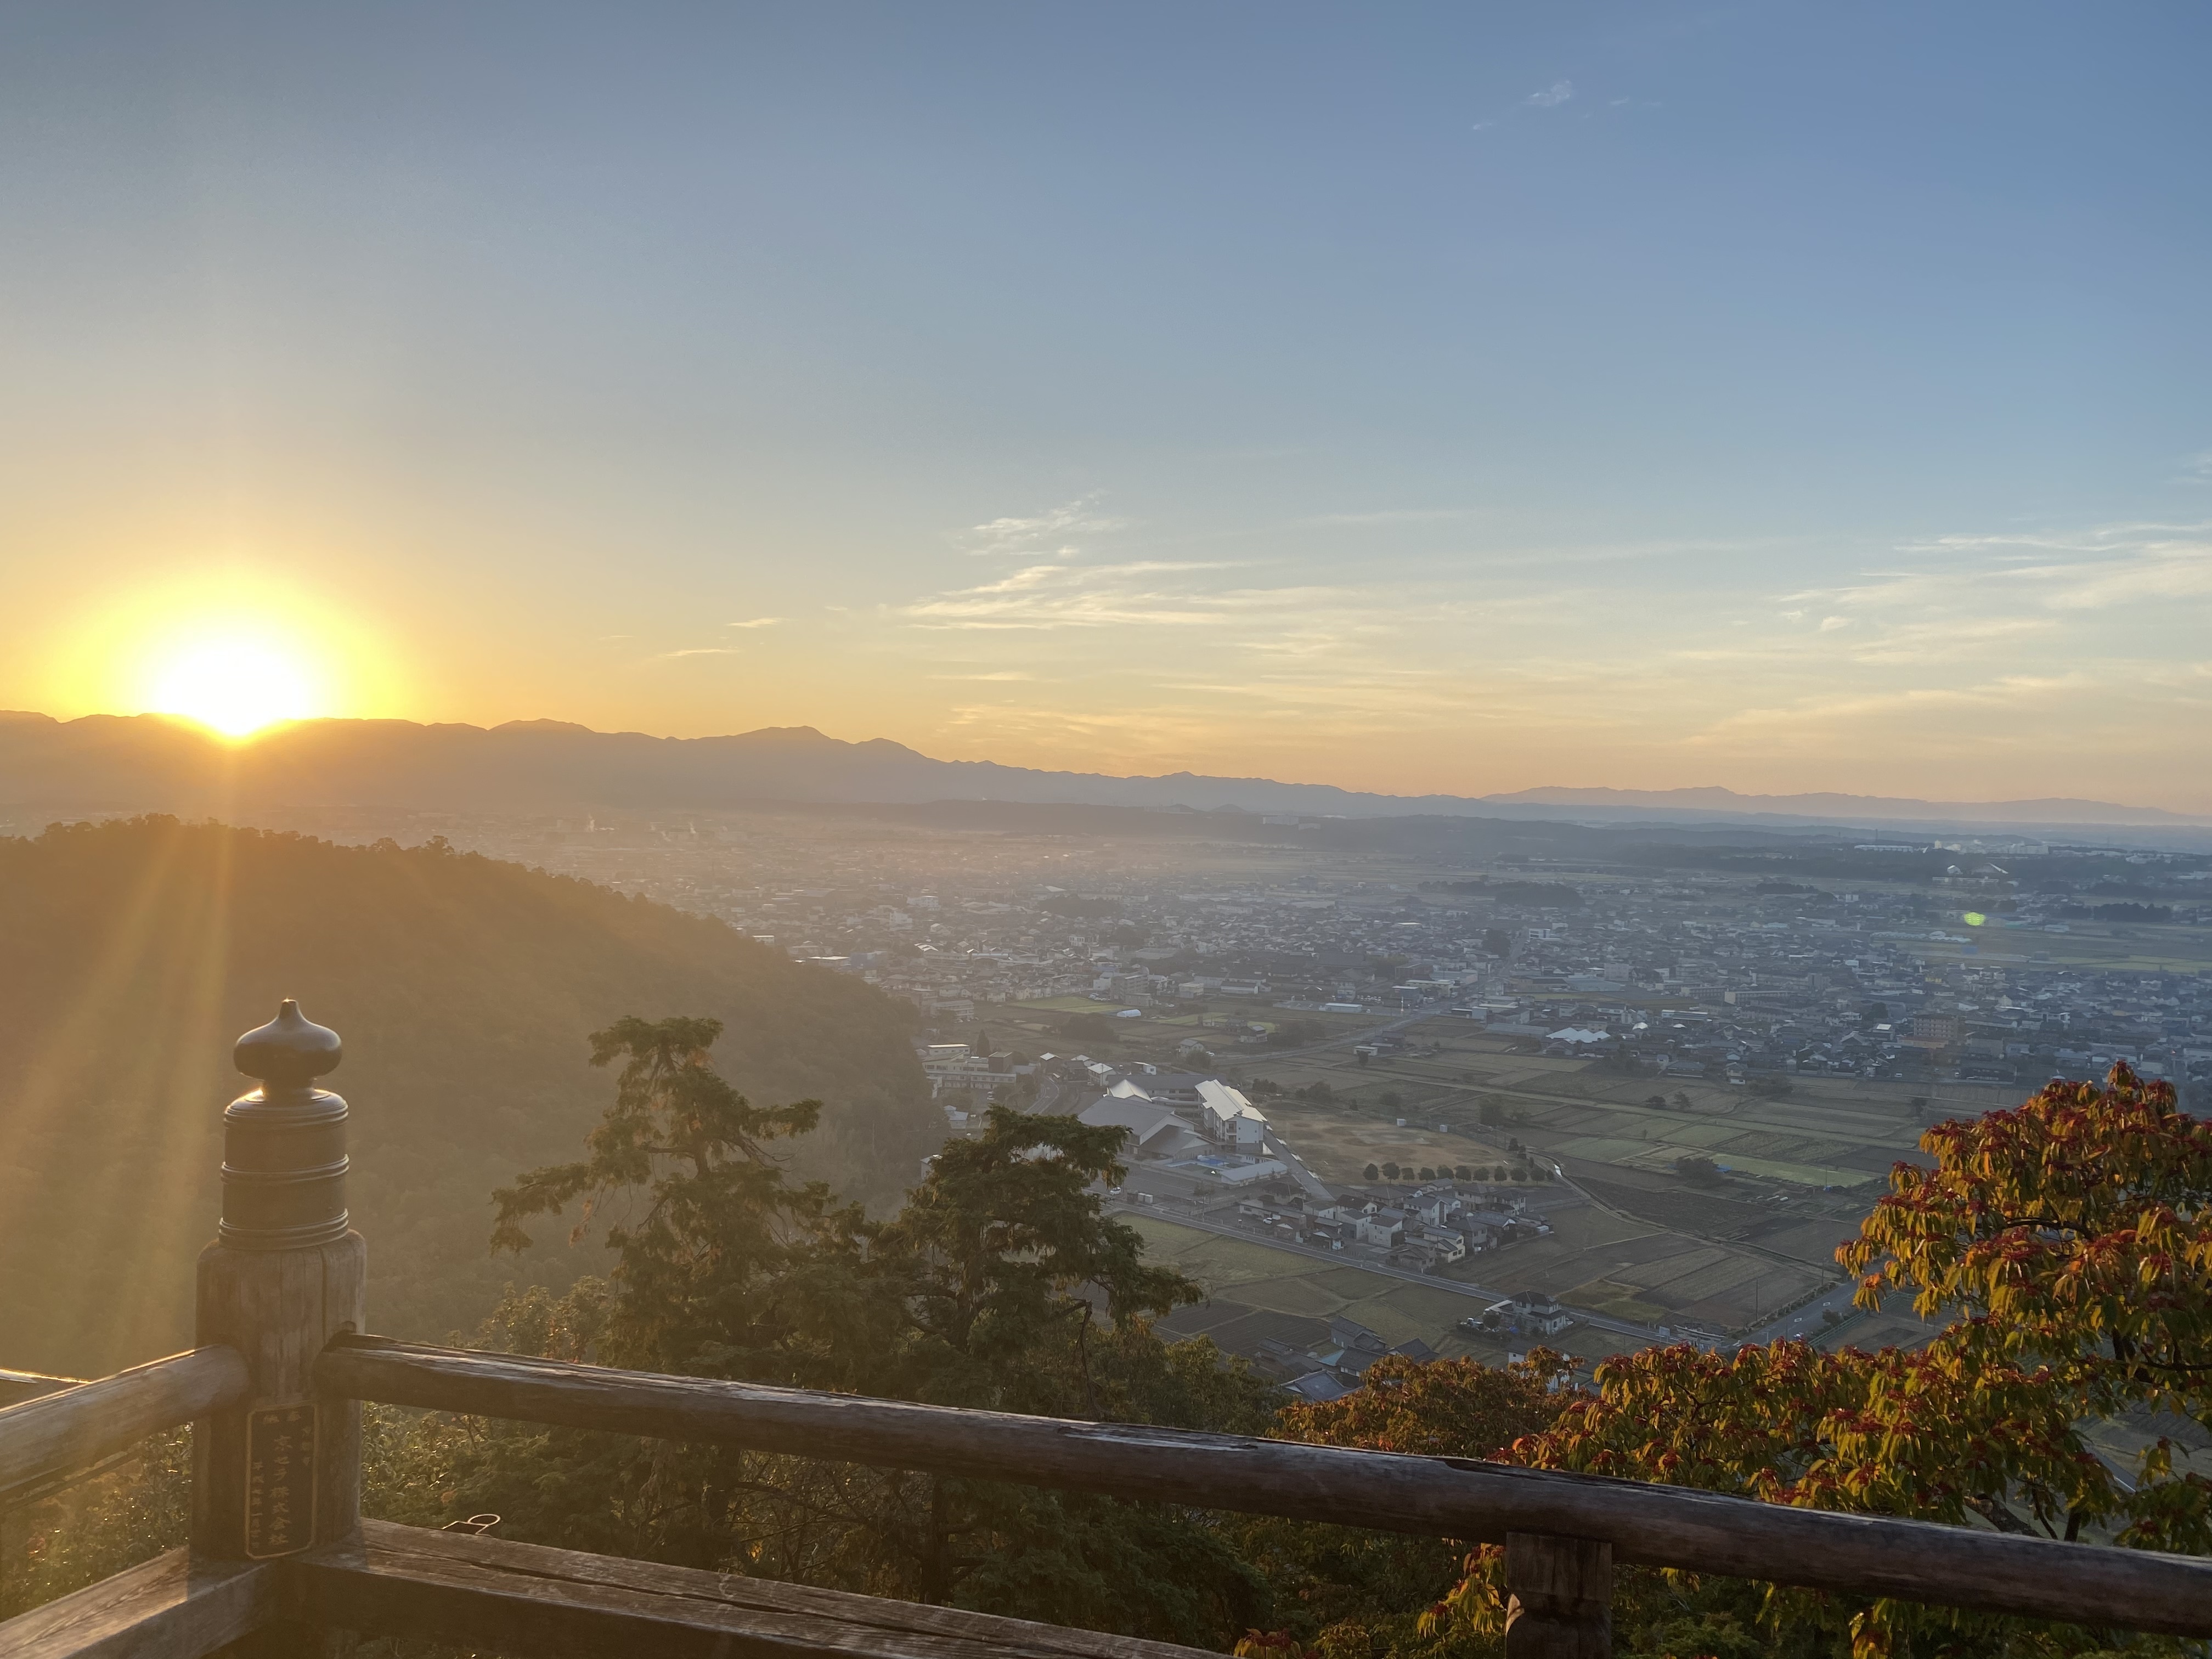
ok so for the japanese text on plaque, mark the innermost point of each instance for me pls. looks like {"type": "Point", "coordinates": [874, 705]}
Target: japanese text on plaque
{"type": "Point", "coordinates": [280, 1480]}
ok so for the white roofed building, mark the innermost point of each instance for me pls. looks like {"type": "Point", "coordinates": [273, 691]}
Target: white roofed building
{"type": "Point", "coordinates": [1229, 1119]}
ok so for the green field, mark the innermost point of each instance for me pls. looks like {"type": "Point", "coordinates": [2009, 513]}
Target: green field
{"type": "Point", "coordinates": [1646, 1250]}
{"type": "Point", "coordinates": [1262, 1278]}
{"type": "Point", "coordinates": [1801, 1170]}
{"type": "Point", "coordinates": [1828, 1131]}
{"type": "Point", "coordinates": [1594, 1259]}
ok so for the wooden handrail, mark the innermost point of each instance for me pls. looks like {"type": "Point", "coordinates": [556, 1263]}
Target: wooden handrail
{"type": "Point", "coordinates": [65, 1431]}
{"type": "Point", "coordinates": [493, 1595]}
{"type": "Point", "coordinates": [507, 1597]}
{"type": "Point", "coordinates": [170, 1607]}
{"type": "Point", "coordinates": [1458, 1498]}
{"type": "Point", "coordinates": [16, 1387]}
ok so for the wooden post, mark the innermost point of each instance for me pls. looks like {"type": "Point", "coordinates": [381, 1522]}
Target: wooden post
{"type": "Point", "coordinates": [1562, 1591]}
{"type": "Point", "coordinates": [280, 1474]}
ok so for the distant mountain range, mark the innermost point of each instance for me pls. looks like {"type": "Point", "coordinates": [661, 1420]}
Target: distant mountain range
{"type": "Point", "coordinates": [151, 763]}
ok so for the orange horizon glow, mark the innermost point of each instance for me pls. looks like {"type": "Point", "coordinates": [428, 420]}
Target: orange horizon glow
{"type": "Point", "coordinates": [240, 640]}
{"type": "Point", "coordinates": [236, 651]}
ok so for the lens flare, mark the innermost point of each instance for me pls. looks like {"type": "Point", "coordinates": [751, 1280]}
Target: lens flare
{"type": "Point", "coordinates": [236, 684]}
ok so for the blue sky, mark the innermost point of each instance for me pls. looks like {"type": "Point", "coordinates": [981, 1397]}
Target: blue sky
{"type": "Point", "coordinates": [1416, 397]}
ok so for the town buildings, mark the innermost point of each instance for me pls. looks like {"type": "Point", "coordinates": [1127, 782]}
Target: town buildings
{"type": "Point", "coordinates": [1999, 960]}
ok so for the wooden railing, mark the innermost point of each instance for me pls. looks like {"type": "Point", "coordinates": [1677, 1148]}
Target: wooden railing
{"type": "Point", "coordinates": [16, 1387]}
{"type": "Point", "coordinates": [279, 1547]}
{"type": "Point", "coordinates": [72, 1428]}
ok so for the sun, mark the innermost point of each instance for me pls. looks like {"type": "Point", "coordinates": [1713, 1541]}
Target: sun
{"type": "Point", "coordinates": [233, 645]}
{"type": "Point", "coordinates": [235, 684]}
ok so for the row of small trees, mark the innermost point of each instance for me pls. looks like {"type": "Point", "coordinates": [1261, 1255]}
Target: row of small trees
{"type": "Point", "coordinates": [1494, 1172]}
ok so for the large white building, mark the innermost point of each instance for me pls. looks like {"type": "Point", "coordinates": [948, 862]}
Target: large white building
{"type": "Point", "coordinates": [1228, 1119]}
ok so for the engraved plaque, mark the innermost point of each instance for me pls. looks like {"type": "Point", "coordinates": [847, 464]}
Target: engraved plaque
{"type": "Point", "coordinates": [280, 1479]}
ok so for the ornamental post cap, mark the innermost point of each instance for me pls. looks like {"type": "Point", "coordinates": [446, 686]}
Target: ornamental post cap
{"type": "Point", "coordinates": [290, 1051]}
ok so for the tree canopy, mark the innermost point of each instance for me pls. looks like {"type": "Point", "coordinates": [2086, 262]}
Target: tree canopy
{"type": "Point", "coordinates": [1001, 1284]}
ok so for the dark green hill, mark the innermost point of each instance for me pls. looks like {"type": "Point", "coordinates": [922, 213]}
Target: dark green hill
{"type": "Point", "coordinates": [132, 953]}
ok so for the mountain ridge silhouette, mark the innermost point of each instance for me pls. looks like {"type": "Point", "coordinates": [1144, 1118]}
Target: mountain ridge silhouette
{"type": "Point", "coordinates": [149, 763]}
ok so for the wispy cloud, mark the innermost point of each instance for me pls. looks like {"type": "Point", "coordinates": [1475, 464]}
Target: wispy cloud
{"type": "Point", "coordinates": [699, 651]}
{"type": "Point", "coordinates": [2052, 651]}
{"type": "Point", "coordinates": [1947, 639]}
{"type": "Point", "coordinates": [1047, 532]}
{"type": "Point", "coordinates": [1147, 593]}
{"type": "Point", "coordinates": [2156, 571]}
{"type": "Point", "coordinates": [759, 622]}
{"type": "Point", "coordinates": [1919, 704]}
{"type": "Point", "coordinates": [1556, 557]}
{"type": "Point", "coordinates": [2098, 569]}
{"type": "Point", "coordinates": [2028, 660]}
{"type": "Point", "coordinates": [1559, 92]}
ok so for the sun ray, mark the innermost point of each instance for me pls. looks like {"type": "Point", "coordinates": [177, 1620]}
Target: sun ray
{"type": "Point", "coordinates": [55, 1091]}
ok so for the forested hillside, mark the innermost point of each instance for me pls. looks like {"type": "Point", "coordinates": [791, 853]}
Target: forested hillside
{"type": "Point", "coordinates": [132, 954]}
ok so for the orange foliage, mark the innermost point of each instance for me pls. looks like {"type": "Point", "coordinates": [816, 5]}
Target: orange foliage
{"type": "Point", "coordinates": [1442, 1408]}
{"type": "Point", "coordinates": [2069, 1242]}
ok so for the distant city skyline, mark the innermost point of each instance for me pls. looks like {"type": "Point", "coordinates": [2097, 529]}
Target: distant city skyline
{"type": "Point", "coordinates": [1415, 399]}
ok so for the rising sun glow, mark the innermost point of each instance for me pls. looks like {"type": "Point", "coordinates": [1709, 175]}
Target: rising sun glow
{"type": "Point", "coordinates": [236, 684]}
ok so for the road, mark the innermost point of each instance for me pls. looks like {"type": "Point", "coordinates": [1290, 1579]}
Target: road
{"type": "Point", "coordinates": [1805, 1322]}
